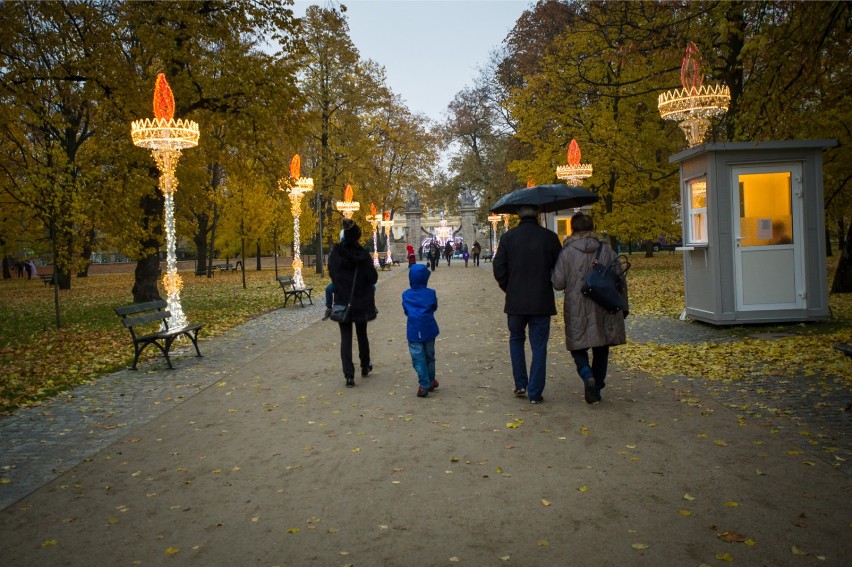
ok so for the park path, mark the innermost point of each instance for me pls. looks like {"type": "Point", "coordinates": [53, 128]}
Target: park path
{"type": "Point", "coordinates": [268, 460]}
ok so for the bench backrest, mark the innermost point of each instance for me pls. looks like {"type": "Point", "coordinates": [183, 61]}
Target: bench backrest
{"type": "Point", "coordinates": [141, 313]}
{"type": "Point", "coordinates": [286, 281]}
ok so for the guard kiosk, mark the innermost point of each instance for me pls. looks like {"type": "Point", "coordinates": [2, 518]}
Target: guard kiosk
{"type": "Point", "coordinates": [754, 231]}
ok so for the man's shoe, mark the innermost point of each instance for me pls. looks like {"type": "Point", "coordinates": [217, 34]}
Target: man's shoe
{"type": "Point", "coordinates": [350, 381]}
{"type": "Point", "coordinates": [589, 390]}
{"type": "Point", "coordinates": [520, 392]}
{"type": "Point", "coordinates": [537, 400]}
{"type": "Point", "coordinates": [327, 313]}
{"type": "Point", "coordinates": [365, 370]}
{"type": "Point", "coordinates": [433, 386]}
{"type": "Point", "coordinates": [422, 392]}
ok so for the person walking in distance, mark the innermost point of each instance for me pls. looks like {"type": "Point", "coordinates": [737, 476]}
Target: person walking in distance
{"type": "Point", "coordinates": [522, 267]}
{"type": "Point", "coordinates": [587, 324]}
{"type": "Point", "coordinates": [476, 249]}
{"type": "Point", "coordinates": [419, 304]}
{"type": "Point", "coordinates": [354, 277]}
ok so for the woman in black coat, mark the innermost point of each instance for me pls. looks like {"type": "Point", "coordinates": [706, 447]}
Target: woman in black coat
{"type": "Point", "coordinates": [345, 257]}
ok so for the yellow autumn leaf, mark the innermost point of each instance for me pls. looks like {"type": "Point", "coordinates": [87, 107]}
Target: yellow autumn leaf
{"type": "Point", "coordinates": [543, 543]}
{"type": "Point", "coordinates": [640, 546]}
{"type": "Point", "coordinates": [750, 542]}
{"type": "Point", "coordinates": [720, 442]}
{"type": "Point", "coordinates": [797, 551]}
{"type": "Point", "coordinates": [356, 450]}
{"type": "Point", "coordinates": [724, 556]}
{"type": "Point", "coordinates": [732, 504]}
{"type": "Point", "coordinates": [688, 497]}
{"type": "Point", "coordinates": [172, 550]}
{"type": "Point", "coordinates": [49, 543]}
{"type": "Point", "coordinates": [583, 489]}
{"type": "Point", "coordinates": [293, 531]}
{"type": "Point", "coordinates": [545, 502]}
{"type": "Point", "coordinates": [513, 425]}
{"type": "Point", "coordinates": [684, 512]}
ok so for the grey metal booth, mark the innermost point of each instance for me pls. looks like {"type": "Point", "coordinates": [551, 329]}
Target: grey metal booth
{"type": "Point", "coordinates": [754, 231]}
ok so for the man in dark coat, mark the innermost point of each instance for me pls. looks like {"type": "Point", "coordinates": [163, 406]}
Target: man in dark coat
{"type": "Point", "coordinates": [522, 267]}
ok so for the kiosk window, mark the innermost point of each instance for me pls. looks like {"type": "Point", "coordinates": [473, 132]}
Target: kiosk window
{"type": "Point", "coordinates": [697, 211]}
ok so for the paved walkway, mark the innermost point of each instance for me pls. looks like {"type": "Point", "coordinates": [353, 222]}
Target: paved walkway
{"type": "Point", "coordinates": [256, 454]}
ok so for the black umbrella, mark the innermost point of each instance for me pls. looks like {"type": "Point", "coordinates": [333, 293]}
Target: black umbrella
{"type": "Point", "coordinates": [548, 197]}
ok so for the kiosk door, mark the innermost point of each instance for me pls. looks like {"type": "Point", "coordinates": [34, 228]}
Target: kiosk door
{"type": "Point", "coordinates": [767, 225]}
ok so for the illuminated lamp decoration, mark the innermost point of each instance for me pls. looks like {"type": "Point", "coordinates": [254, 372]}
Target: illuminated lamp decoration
{"type": "Point", "coordinates": [574, 172]}
{"type": "Point", "coordinates": [443, 233]}
{"type": "Point", "coordinates": [296, 186]}
{"type": "Point", "coordinates": [694, 104]}
{"type": "Point", "coordinates": [166, 137]}
{"type": "Point", "coordinates": [374, 218]}
{"type": "Point", "coordinates": [347, 206]}
{"type": "Point", "coordinates": [387, 224]}
{"type": "Point", "coordinates": [530, 182]}
{"type": "Point", "coordinates": [494, 219]}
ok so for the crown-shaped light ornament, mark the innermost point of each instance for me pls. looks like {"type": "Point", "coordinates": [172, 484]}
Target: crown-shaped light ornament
{"type": "Point", "coordinates": [347, 206]}
{"type": "Point", "coordinates": [374, 218]}
{"type": "Point", "coordinates": [166, 137]}
{"type": "Point", "coordinates": [574, 172]}
{"type": "Point", "coordinates": [296, 186]}
{"type": "Point", "coordinates": [387, 224]}
{"type": "Point", "coordinates": [694, 104]}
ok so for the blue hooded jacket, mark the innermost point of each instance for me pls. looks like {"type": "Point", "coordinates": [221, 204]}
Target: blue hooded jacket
{"type": "Point", "coordinates": [419, 304]}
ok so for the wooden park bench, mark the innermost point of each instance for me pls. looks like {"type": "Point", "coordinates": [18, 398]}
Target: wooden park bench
{"type": "Point", "coordinates": [844, 348]}
{"type": "Point", "coordinates": [292, 292]}
{"type": "Point", "coordinates": [142, 315]}
{"type": "Point", "coordinates": [47, 279]}
{"type": "Point", "coordinates": [486, 257]}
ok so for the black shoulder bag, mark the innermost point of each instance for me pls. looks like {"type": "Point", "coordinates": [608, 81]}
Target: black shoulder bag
{"type": "Point", "coordinates": [604, 284]}
{"type": "Point", "coordinates": [340, 313]}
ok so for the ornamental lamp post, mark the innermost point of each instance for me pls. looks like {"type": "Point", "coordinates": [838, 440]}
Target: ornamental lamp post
{"type": "Point", "coordinates": [347, 206]}
{"type": "Point", "coordinates": [574, 172]}
{"type": "Point", "coordinates": [494, 219]}
{"type": "Point", "coordinates": [694, 104]}
{"type": "Point", "coordinates": [166, 137]}
{"type": "Point", "coordinates": [374, 218]}
{"type": "Point", "coordinates": [387, 224]}
{"type": "Point", "coordinates": [296, 186]}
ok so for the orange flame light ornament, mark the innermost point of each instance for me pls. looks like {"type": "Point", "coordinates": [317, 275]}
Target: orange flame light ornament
{"type": "Point", "coordinates": [166, 137]}
{"type": "Point", "coordinates": [574, 172]}
{"type": "Point", "coordinates": [296, 186]}
{"type": "Point", "coordinates": [694, 104]}
{"type": "Point", "coordinates": [374, 218]}
{"type": "Point", "coordinates": [388, 224]}
{"type": "Point", "coordinates": [347, 206]}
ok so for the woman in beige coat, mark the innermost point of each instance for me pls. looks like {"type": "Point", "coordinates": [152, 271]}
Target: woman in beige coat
{"type": "Point", "coordinates": [587, 324]}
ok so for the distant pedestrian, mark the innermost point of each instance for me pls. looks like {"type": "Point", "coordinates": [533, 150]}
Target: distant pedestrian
{"type": "Point", "coordinates": [419, 304]}
{"type": "Point", "coordinates": [28, 267]}
{"type": "Point", "coordinates": [523, 265]}
{"type": "Point", "coordinates": [448, 251]}
{"type": "Point", "coordinates": [477, 250]}
{"type": "Point", "coordinates": [587, 324]}
{"type": "Point", "coordinates": [354, 277]}
{"type": "Point", "coordinates": [433, 255]}
{"type": "Point", "coordinates": [465, 255]}
{"type": "Point", "coordinates": [19, 267]}
{"type": "Point", "coordinates": [409, 250]}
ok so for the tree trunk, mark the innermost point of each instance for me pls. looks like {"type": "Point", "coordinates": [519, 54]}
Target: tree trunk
{"type": "Point", "coordinates": [843, 276]}
{"type": "Point", "coordinates": [649, 249]}
{"type": "Point", "coordinates": [828, 252]}
{"type": "Point", "coordinates": [148, 267]}
{"type": "Point", "coordinates": [86, 254]}
{"type": "Point", "coordinates": [7, 273]}
{"type": "Point", "coordinates": [200, 240]}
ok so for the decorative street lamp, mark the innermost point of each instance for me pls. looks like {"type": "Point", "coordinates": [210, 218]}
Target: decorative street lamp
{"type": "Point", "coordinates": [574, 172]}
{"type": "Point", "coordinates": [494, 219]}
{"type": "Point", "coordinates": [387, 224]}
{"type": "Point", "coordinates": [347, 206]}
{"type": "Point", "coordinates": [296, 186]}
{"type": "Point", "coordinates": [166, 137]}
{"type": "Point", "coordinates": [693, 105]}
{"type": "Point", "coordinates": [374, 218]}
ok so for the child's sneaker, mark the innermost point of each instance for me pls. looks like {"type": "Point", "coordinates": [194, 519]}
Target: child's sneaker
{"type": "Point", "coordinates": [433, 386]}
{"type": "Point", "coordinates": [422, 392]}
{"type": "Point", "coordinates": [327, 313]}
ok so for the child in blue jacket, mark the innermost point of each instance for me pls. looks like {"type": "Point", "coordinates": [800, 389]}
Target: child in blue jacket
{"type": "Point", "coordinates": [419, 304]}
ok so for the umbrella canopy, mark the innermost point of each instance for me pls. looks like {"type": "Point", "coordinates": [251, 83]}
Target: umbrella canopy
{"type": "Point", "coordinates": [548, 197]}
